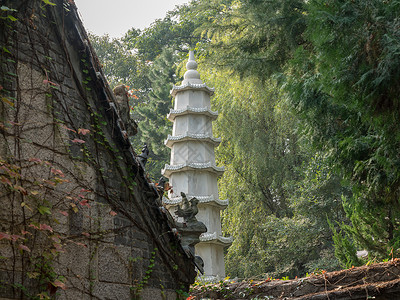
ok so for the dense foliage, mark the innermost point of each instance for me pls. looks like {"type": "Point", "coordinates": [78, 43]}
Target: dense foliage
{"type": "Point", "coordinates": [308, 94]}
{"type": "Point", "coordinates": [153, 125]}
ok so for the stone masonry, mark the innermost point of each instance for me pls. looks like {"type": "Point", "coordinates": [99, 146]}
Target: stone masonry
{"type": "Point", "coordinates": [79, 219]}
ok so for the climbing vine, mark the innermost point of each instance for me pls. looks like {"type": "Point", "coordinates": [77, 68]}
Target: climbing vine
{"type": "Point", "coordinates": [67, 172]}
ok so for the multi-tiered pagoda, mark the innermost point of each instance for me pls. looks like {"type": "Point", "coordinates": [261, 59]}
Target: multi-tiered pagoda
{"type": "Point", "coordinates": [193, 169]}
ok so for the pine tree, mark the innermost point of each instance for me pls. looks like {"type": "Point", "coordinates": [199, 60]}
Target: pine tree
{"type": "Point", "coordinates": [154, 126]}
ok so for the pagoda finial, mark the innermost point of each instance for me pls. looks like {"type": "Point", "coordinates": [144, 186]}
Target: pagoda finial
{"type": "Point", "coordinates": [192, 75]}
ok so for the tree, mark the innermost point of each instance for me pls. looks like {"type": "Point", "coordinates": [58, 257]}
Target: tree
{"type": "Point", "coordinates": [174, 31]}
{"type": "Point", "coordinates": [154, 126]}
{"type": "Point", "coordinates": [338, 62]}
{"type": "Point", "coordinates": [345, 85]}
{"type": "Point", "coordinates": [308, 95]}
{"type": "Point", "coordinates": [120, 64]}
{"type": "Point", "coordinates": [260, 152]}
{"type": "Point", "coordinates": [252, 37]}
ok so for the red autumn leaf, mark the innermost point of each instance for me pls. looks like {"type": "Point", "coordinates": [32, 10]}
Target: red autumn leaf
{"type": "Point", "coordinates": [20, 189]}
{"type": "Point", "coordinates": [24, 248]}
{"type": "Point", "coordinates": [86, 234]}
{"type": "Point", "coordinates": [64, 213]}
{"type": "Point", "coordinates": [113, 213]}
{"type": "Point", "coordinates": [46, 227]}
{"type": "Point", "coordinates": [57, 248]}
{"type": "Point", "coordinates": [49, 182]}
{"type": "Point", "coordinates": [79, 141]}
{"type": "Point", "coordinates": [46, 81]}
{"type": "Point", "coordinates": [83, 131]}
{"type": "Point", "coordinates": [85, 203]}
{"type": "Point", "coordinates": [10, 237]}
{"type": "Point", "coordinates": [69, 128]}
{"type": "Point", "coordinates": [56, 240]}
{"type": "Point", "coordinates": [10, 172]}
{"type": "Point", "coordinates": [4, 235]}
{"type": "Point", "coordinates": [58, 283]}
{"type": "Point", "coordinates": [34, 159]}
{"type": "Point", "coordinates": [81, 244]}
{"type": "Point", "coordinates": [25, 232]}
{"type": "Point", "coordinates": [15, 237]}
{"type": "Point", "coordinates": [5, 180]}
{"type": "Point", "coordinates": [57, 172]}
{"type": "Point", "coordinates": [14, 123]}
{"type": "Point", "coordinates": [33, 226]}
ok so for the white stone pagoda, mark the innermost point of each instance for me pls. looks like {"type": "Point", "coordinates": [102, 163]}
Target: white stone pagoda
{"type": "Point", "coordinates": [192, 169]}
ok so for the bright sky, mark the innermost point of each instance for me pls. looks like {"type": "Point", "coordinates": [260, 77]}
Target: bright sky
{"type": "Point", "coordinates": [116, 17]}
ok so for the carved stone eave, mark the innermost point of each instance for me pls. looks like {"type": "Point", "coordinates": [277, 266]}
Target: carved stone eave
{"type": "Point", "coordinates": [192, 86]}
{"type": "Point", "coordinates": [214, 238]}
{"type": "Point", "coordinates": [173, 113]}
{"type": "Point", "coordinates": [222, 204]}
{"type": "Point", "coordinates": [191, 137]}
{"type": "Point", "coordinates": [208, 166]}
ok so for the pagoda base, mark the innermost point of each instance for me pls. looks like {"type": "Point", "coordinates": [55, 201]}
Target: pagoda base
{"type": "Point", "coordinates": [203, 279]}
{"type": "Point", "coordinates": [213, 257]}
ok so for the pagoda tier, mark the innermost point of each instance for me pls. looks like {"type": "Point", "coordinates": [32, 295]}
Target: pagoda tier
{"type": "Point", "coordinates": [215, 238]}
{"type": "Point", "coordinates": [192, 110]}
{"type": "Point", "coordinates": [206, 166]}
{"type": "Point", "coordinates": [191, 137]}
{"type": "Point", "coordinates": [189, 85]}
{"type": "Point", "coordinates": [192, 168]}
{"type": "Point", "coordinates": [202, 199]}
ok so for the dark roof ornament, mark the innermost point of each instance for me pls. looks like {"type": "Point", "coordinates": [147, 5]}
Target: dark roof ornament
{"type": "Point", "coordinates": [191, 229]}
{"type": "Point", "coordinates": [142, 158]}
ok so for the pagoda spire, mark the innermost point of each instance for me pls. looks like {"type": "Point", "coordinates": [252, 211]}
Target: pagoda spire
{"type": "Point", "coordinates": [192, 168]}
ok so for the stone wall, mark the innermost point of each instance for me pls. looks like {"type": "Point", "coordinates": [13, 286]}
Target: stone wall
{"type": "Point", "coordinates": [79, 219]}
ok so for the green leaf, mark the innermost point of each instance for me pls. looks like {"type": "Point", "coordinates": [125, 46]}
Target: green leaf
{"type": "Point", "coordinates": [6, 100]}
{"type": "Point", "coordinates": [48, 2]}
{"type": "Point", "coordinates": [6, 50]}
{"type": "Point", "coordinates": [5, 8]}
{"type": "Point", "coordinates": [44, 210]}
{"type": "Point", "coordinates": [12, 18]}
